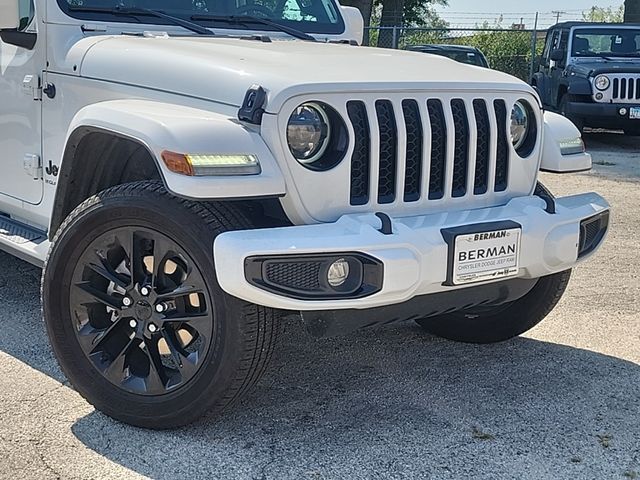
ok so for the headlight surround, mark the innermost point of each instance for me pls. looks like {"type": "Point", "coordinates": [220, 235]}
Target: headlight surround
{"type": "Point", "coordinates": [317, 136]}
{"type": "Point", "coordinates": [308, 132]}
{"type": "Point", "coordinates": [523, 128]}
{"type": "Point", "coordinates": [601, 82]}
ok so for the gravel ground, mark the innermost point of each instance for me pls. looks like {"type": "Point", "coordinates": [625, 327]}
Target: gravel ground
{"type": "Point", "coordinates": [561, 402]}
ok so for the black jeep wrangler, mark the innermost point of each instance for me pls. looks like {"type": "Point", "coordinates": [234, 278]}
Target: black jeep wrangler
{"type": "Point", "coordinates": [590, 72]}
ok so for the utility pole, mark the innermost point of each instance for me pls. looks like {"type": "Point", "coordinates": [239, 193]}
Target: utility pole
{"type": "Point", "coordinates": [557, 13]}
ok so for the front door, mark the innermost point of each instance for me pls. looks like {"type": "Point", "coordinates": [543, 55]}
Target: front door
{"type": "Point", "coordinates": [20, 111]}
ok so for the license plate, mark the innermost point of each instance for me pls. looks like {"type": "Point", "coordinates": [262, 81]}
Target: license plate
{"type": "Point", "coordinates": [634, 112]}
{"type": "Point", "coordinates": [486, 255]}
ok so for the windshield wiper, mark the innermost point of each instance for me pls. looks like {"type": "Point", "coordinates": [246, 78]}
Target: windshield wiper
{"type": "Point", "coordinates": [135, 11]}
{"type": "Point", "coordinates": [247, 19]}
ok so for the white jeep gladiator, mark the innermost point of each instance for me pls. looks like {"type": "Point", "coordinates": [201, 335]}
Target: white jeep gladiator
{"type": "Point", "coordinates": [189, 172]}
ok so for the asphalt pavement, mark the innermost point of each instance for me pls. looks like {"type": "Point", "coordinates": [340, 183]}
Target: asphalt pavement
{"type": "Point", "coordinates": [563, 401]}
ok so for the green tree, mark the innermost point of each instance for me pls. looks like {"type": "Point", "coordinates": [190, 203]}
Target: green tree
{"type": "Point", "coordinates": [606, 15]}
{"type": "Point", "coordinates": [397, 13]}
{"type": "Point", "coordinates": [406, 13]}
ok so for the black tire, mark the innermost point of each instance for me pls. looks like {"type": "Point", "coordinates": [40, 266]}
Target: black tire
{"type": "Point", "coordinates": [562, 109]}
{"type": "Point", "coordinates": [496, 324]}
{"type": "Point", "coordinates": [242, 335]}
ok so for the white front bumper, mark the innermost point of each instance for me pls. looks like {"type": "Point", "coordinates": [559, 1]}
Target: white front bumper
{"type": "Point", "coordinates": [414, 256]}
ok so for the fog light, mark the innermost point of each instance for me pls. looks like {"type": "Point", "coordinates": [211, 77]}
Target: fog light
{"type": "Point", "coordinates": [622, 111]}
{"type": "Point", "coordinates": [338, 272]}
{"type": "Point", "coordinates": [599, 96]}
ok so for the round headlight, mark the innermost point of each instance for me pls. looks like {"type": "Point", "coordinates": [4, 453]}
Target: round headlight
{"type": "Point", "coordinates": [308, 132]}
{"type": "Point", "coordinates": [601, 82]}
{"type": "Point", "coordinates": [519, 124]}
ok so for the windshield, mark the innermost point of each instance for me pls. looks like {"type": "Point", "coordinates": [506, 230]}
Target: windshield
{"type": "Point", "coordinates": [312, 16]}
{"type": "Point", "coordinates": [606, 42]}
{"type": "Point", "coordinates": [471, 58]}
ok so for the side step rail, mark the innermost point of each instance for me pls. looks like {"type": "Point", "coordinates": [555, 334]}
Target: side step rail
{"type": "Point", "coordinates": [23, 241]}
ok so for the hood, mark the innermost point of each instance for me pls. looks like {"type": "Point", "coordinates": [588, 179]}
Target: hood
{"type": "Point", "coordinates": [586, 68]}
{"type": "Point", "coordinates": [222, 69]}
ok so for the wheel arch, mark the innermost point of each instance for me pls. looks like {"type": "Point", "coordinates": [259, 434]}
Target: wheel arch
{"type": "Point", "coordinates": [95, 159]}
{"type": "Point", "coordinates": [121, 141]}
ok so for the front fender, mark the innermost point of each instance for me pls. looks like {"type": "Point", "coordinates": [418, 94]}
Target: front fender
{"type": "Point", "coordinates": [579, 86]}
{"type": "Point", "coordinates": [160, 126]}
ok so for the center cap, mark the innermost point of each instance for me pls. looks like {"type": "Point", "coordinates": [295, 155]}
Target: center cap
{"type": "Point", "coordinates": [143, 310]}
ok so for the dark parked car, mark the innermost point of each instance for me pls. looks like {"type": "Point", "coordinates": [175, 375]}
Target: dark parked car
{"type": "Point", "coordinates": [459, 53]}
{"type": "Point", "coordinates": [590, 72]}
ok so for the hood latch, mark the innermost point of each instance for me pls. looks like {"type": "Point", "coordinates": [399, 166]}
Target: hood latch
{"type": "Point", "coordinates": [253, 105]}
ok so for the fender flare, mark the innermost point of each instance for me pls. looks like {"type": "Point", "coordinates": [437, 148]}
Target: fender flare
{"type": "Point", "coordinates": [160, 126]}
{"type": "Point", "coordinates": [579, 86]}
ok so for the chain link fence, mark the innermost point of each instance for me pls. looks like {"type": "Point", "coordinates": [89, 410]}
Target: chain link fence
{"type": "Point", "coordinates": [513, 51]}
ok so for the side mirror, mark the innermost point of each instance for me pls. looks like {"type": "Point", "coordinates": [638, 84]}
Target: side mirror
{"type": "Point", "coordinates": [353, 22]}
{"type": "Point", "coordinates": [9, 14]}
{"type": "Point", "coordinates": [557, 54]}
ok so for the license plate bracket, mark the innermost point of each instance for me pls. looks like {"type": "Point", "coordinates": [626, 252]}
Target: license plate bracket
{"type": "Point", "coordinates": [634, 113]}
{"type": "Point", "coordinates": [482, 252]}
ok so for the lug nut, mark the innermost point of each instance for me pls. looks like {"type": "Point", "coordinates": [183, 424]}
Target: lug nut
{"type": "Point", "coordinates": [145, 291]}
{"type": "Point", "coordinates": [160, 308]}
{"type": "Point", "coordinates": [133, 323]}
{"type": "Point", "coordinates": [126, 301]}
{"type": "Point", "coordinates": [152, 327]}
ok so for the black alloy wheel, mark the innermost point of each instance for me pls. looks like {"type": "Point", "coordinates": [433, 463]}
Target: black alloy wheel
{"type": "Point", "coordinates": [142, 310]}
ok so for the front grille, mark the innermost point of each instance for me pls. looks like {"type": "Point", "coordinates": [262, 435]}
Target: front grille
{"type": "Point", "coordinates": [626, 88]}
{"type": "Point", "coordinates": [465, 155]}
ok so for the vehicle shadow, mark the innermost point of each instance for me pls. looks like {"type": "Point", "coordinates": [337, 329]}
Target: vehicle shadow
{"type": "Point", "coordinates": [388, 403]}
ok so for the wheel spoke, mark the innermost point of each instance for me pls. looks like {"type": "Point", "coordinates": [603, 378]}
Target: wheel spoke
{"type": "Point", "coordinates": [191, 319]}
{"type": "Point", "coordinates": [155, 381]}
{"type": "Point", "coordinates": [96, 296]}
{"type": "Point", "coordinates": [160, 250]}
{"type": "Point", "coordinates": [180, 291]}
{"type": "Point", "coordinates": [91, 338]}
{"type": "Point", "coordinates": [115, 370]}
{"type": "Point", "coordinates": [180, 356]}
{"type": "Point", "coordinates": [108, 273]}
{"type": "Point", "coordinates": [130, 242]}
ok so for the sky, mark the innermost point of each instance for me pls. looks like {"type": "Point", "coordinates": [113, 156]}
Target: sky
{"type": "Point", "coordinates": [467, 13]}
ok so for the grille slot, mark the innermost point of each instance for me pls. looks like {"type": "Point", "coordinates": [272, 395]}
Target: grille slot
{"type": "Point", "coordinates": [413, 167]}
{"type": "Point", "coordinates": [438, 149]}
{"type": "Point", "coordinates": [482, 146]}
{"type": "Point", "coordinates": [418, 147]}
{"type": "Point", "coordinates": [361, 158]}
{"type": "Point", "coordinates": [461, 149]}
{"type": "Point", "coordinates": [502, 153]}
{"type": "Point", "coordinates": [388, 151]}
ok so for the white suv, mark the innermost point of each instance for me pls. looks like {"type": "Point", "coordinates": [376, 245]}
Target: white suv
{"type": "Point", "coordinates": [188, 174]}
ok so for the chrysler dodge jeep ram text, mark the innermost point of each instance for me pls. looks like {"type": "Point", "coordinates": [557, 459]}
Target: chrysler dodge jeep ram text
{"type": "Point", "coordinates": [189, 174]}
